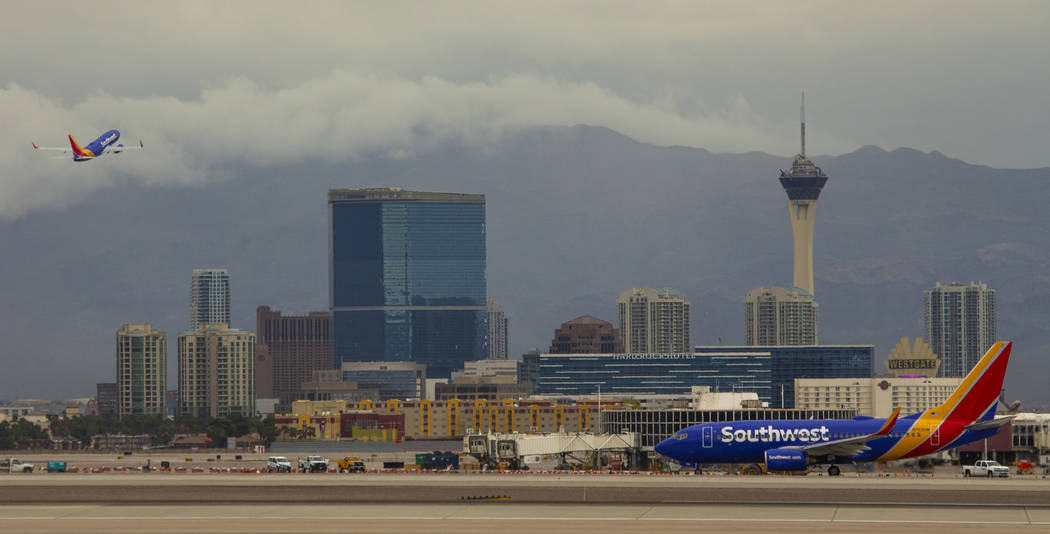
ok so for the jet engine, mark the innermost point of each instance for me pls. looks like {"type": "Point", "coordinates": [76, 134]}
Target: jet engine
{"type": "Point", "coordinates": [785, 460]}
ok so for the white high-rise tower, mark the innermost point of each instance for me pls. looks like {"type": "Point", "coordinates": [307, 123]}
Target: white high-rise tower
{"type": "Point", "coordinates": [803, 184]}
{"type": "Point", "coordinates": [209, 297]}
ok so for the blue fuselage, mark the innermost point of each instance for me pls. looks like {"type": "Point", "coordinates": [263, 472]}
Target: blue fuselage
{"type": "Point", "coordinates": [747, 441]}
{"type": "Point", "coordinates": [99, 145]}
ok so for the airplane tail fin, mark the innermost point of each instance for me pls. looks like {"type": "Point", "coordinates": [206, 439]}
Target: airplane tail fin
{"type": "Point", "coordinates": [78, 150]}
{"type": "Point", "coordinates": [976, 397]}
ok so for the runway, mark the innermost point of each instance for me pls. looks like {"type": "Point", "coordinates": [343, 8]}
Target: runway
{"type": "Point", "coordinates": [548, 504]}
{"type": "Point", "coordinates": [172, 488]}
{"type": "Point", "coordinates": [512, 518]}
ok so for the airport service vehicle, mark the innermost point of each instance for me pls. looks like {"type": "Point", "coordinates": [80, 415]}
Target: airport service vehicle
{"type": "Point", "coordinates": [351, 464]}
{"type": "Point", "coordinates": [14, 465]}
{"type": "Point", "coordinates": [1025, 468]}
{"type": "Point", "coordinates": [103, 144]}
{"type": "Point", "coordinates": [986, 468]}
{"type": "Point", "coordinates": [279, 464]}
{"type": "Point", "coordinates": [313, 464]}
{"type": "Point", "coordinates": [793, 445]}
{"type": "Point", "coordinates": [56, 467]}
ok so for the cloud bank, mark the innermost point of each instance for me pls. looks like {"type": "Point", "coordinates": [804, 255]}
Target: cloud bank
{"type": "Point", "coordinates": [213, 86]}
{"type": "Point", "coordinates": [337, 117]}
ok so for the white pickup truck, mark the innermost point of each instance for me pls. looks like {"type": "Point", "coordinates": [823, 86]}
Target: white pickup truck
{"type": "Point", "coordinates": [14, 465]}
{"type": "Point", "coordinates": [313, 464]}
{"type": "Point", "coordinates": [986, 468]}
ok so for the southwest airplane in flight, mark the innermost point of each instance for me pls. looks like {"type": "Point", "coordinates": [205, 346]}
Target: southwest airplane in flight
{"type": "Point", "coordinates": [104, 144]}
{"type": "Point", "coordinates": [968, 415]}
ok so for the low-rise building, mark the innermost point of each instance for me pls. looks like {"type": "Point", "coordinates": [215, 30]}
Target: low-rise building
{"type": "Point", "coordinates": [769, 371]}
{"type": "Point", "coordinates": [328, 385]}
{"type": "Point", "coordinates": [394, 380]}
{"type": "Point", "coordinates": [500, 371]}
{"type": "Point", "coordinates": [444, 419]}
{"type": "Point", "coordinates": [487, 388]}
{"type": "Point", "coordinates": [120, 442]}
{"type": "Point", "coordinates": [876, 397]}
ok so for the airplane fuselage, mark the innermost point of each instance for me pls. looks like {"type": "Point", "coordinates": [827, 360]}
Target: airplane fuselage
{"type": "Point", "coordinates": [98, 146]}
{"type": "Point", "coordinates": [787, 445]}
{"type": "Point", "coordinates": [747, 441]}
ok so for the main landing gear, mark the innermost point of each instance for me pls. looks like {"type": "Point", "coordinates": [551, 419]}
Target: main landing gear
{"type": "Point", "coordinates": [834, 471]}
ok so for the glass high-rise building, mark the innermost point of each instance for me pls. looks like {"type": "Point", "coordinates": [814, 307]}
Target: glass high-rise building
{"type": "Point", "coordinates": [407, 277]}
{"type": "Point", "coordinates": [209, 297]}
{"type": "Point", "coordinates": [960, 325]}
{"type": "Point", "coordinates": [497, 331]}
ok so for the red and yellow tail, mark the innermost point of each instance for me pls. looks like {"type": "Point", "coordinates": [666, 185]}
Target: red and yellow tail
{"type": "Point", "coordinates": [972, 401]}
{"type": "Point", "coordinates": [78, 150]}
{"type": "Point", "coordinates": [980, 389]}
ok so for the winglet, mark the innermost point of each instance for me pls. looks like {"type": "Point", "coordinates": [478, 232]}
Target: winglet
{"type": "Point", "coordinates": [886, 428]}
{"type": "Point", "coordinates": [140, 143]}
{"type": "Point", "coordinates": [34, 145]}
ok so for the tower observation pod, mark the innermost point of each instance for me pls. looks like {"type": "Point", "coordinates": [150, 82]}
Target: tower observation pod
{"type": "Point", "coordinates": [803, 184]}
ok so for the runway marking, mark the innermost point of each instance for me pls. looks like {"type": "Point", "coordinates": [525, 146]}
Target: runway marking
{"type": "Point", "coordinates": [526, 518]}
{"type": "Point", "coordinates": [866, 504]}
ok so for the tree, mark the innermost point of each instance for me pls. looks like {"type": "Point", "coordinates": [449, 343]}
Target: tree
{"type": "Point", "coordinates": [307, 432]}
{"type": "Point", "coordinates": [14, 434]}
{"type": "Point", "coordinates": [267, 430]}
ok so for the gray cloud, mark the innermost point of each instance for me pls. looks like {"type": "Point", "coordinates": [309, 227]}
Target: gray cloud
{"type": "Point", "coordinates": [209, 85]}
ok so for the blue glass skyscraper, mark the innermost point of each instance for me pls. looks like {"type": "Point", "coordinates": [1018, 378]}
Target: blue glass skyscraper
{"type": "Point", "coordinates": [407, 277]}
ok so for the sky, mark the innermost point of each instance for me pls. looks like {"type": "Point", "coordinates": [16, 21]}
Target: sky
{"type": "Point", "coordinates": [215, 87]}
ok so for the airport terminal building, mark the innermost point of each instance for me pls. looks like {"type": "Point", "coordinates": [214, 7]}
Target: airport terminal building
{"type": "Point", "coordinates": [769, 371]}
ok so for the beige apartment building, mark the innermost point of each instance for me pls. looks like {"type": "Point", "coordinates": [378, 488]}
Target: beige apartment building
{"type": "Point", "coordinates": [653, 321]}
{"type": "Point", "coordinates": [780, 316]}
{"type": "Point", "coordinates": [142, 364]}
{"type": "Point", "coordinates": [216, 371]}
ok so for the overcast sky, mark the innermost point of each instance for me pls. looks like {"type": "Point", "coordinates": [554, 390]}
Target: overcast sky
{"type": "Point", "coordinates": [215, 85]}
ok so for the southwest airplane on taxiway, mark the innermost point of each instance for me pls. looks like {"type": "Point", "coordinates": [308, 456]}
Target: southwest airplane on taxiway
{"type": "Point", "coordinates": [967, 416]}
{"type": "Point", "coordinates": [104, 144]}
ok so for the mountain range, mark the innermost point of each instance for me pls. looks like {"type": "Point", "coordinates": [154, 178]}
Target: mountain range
{"type": "Point", "coordinates": [574, 216]}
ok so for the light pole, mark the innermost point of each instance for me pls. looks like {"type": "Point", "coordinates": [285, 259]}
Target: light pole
{"type": "Point", "coordinates": [926, 388]}
{"type": "Point", "coordinates": [599, 408]}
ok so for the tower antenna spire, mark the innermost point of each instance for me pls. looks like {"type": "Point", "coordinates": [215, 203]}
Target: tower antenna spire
{"type": "Point", "coordinates": [803, 113]}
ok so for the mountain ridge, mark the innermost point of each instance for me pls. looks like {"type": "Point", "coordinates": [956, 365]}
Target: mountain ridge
{"type": "Point", "coordinates": [575, 215]}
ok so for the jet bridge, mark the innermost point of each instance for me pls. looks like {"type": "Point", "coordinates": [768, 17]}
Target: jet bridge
{"type": "Point", "coordinates": [582, 448]}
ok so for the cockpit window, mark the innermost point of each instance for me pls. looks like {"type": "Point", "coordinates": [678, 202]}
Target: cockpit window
{"type": "Point", "coordinates": [680, 435]}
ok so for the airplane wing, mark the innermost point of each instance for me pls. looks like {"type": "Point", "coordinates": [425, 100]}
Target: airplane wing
{"type": "Point", "coordinates": [989, 424]}
{"type": "Point", "coordinates": [60, 149]}
{"type": "Point", "coordinates": [115, 148]}
{"type": "Point", "coordinates": [849, 447]}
